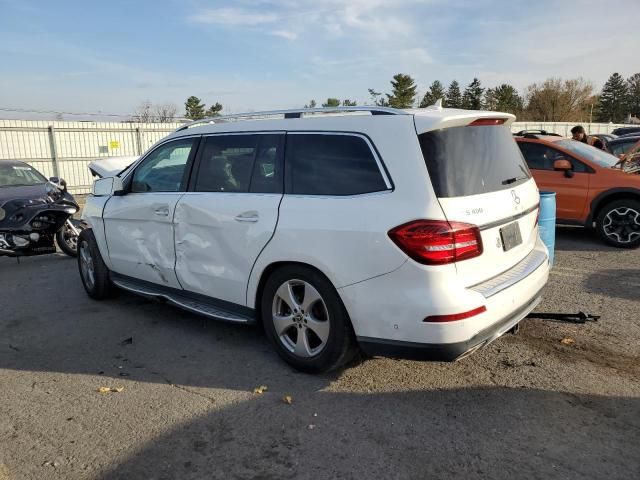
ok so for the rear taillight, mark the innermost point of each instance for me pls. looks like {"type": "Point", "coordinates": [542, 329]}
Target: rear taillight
{"type": "Point", "coordinates": [482, 122]}
{"type": "Point", "coordinates": [437, 242]}
{"type": "Point", "coordinates": [456, 316]}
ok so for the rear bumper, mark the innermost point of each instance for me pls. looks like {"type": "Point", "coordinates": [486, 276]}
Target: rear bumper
{"type": "Point", "coordinates": [447, 352]}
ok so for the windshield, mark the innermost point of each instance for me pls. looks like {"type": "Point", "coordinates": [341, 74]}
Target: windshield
{"type": "Point", "coordinates": [12, 175]}
{"type": "Point", "coordinates": [588, 152]}
{"type": "Point", "coordinates": [473, 160]}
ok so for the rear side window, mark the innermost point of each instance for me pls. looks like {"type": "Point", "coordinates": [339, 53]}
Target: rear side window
{"type": "Point", "coordinates": [241, 163]}
{"type": "Point", "coordinates": [473, 160]}
{"type": "Point", "coordinates": [331, 164]}
{"type": "Point", "coordinates": [542, 157]}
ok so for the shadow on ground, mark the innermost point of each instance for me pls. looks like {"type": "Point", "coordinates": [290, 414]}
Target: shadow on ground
{"type": "Point", "coordinates": [570, 238]}
{"type": "Point", "coordinates": [418, 435]}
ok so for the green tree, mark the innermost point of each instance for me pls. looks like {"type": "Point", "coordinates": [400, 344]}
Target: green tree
{"type": "Point", "coordinates": [194, 109]}
{"type": "Point", "coordinates": [472, 98]}
{"type": "Point", "coordinates": [633, 91]}
{"type": "Point", "coordinates": [331, 102]}
{"type": "Point", "coordinates": [613, 100]}
{"type": "Point", "coordinates": [214, 110]}
{"type": "Point", "coordinates": [348, 103]}
{"type": "Point", "coordinates": [435, 92]}
{"type": "Point", "coordinates": [454, 97]}
{"type": "Point", "coordinates": [404, 91]}
{"type": "Point", "coordinates": [503, 98]}
{"type": "Point", "coordinates": [312, 104]}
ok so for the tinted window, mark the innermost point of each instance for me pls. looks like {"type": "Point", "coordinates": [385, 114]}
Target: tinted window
{"type": "Point", "coordinates": [241, 163]}
{"type": "Point", "coordinates": [163, 169]}
{"type": "Point", "coordinates": [319, 164]}
{"type": "Point", "coordinates": [542, 157]}
{"type": "Point", "coordinates": [12, 175]}
{"type": "Point", "coordinates": [472, 160]}
{"type": "Point", "coordinates": [621, 147]}
{"type": "Point", "coordinates": [588, 152]}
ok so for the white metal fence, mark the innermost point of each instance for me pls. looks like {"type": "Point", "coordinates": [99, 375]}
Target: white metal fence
{"type": "Point", "coordinates": [64, 149]}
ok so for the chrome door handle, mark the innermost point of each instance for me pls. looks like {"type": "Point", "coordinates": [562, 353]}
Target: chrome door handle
{"type": "Point", "coordinates": [163, 212]}
{"type": "Point", "coordinates": [247, 218]}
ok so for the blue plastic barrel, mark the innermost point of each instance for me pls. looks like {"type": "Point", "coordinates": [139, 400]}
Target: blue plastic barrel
{"type": "Point", "coordinates": [547, 221]}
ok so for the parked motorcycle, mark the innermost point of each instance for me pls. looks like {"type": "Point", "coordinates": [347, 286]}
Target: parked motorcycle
{"type": "Point", "coordinates": [35, 213]}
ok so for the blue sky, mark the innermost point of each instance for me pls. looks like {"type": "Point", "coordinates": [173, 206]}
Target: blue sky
{"type": "Point", "coordinates": [109, 56]}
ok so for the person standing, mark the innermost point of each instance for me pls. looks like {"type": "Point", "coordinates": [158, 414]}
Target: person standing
{"type": "Point", "coordinates": [578, 134]}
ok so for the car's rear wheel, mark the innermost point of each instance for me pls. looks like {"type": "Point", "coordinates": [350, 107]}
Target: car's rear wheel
{"type": "Point", "coordinates": [93, 272]}
{"type": "Point", "coordinates": [306, 321]}
{"type": "Point", "coordinates": [618, 223]}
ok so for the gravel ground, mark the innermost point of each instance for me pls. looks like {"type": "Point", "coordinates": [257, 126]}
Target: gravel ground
{"type": "Point", "coordinates": [527, 406]}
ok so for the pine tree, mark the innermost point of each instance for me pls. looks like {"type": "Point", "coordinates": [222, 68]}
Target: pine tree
{"type": "Point", "coordinates": [312, 104]}
{"type": "Point", "coordinates": [331, 102]}
{"type": "Point", "coordinates": [404, 91]}
{"type": "Point", "coordinates": [633, 92]}
{"type": "Point", "coordinates": [472, 98]}
{"type": "Point", "coordinates": [194, 109]}
{"type": "Point", "coordinates": [503, 98]}
{"type": "Point", "coordinates": [613, 100]}
{"type": "Point", "coordinates": [214, 110]}
{"type": "Point", "coordinates": [348, 103]}
{"type": "Point", "coordinates": [436, 92]}
{"type": "Point", "coordinates": [454, 97]}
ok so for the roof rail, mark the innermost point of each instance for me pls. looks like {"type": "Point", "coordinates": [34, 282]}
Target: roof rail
{"type": "Point", "coordinates": [295, 113]}
{"type": "Point", "coordinates": [534, 133]}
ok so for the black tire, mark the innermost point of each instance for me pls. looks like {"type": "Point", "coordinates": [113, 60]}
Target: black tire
{"type": "Point", "coordinates": [101, 286]}
{"type": "Point", "coordinates": [340, 346]}
{"type": "Point", "coordinates": [66, 242]}
{"type": "Point", "coordinates": [618, 223]}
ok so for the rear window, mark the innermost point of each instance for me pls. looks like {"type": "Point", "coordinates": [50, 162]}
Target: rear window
{"type": "Point", "coordinates": [473, 160]}
{"type": "Point", "coordinates": [331, 164]}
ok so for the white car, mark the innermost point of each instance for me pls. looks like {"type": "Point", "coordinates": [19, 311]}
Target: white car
{"type": "Point", "coordinates": [402, 233]}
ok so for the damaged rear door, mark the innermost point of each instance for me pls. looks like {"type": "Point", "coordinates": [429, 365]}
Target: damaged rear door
{"type": "Point", "coordinates": [139, 224]}
{"type": "Point", "coordinates": [229, 213]}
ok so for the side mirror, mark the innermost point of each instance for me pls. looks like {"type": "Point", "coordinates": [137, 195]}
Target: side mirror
{"type": "Point", "coordinates": [107, 186]}
{"type": "Point", "coordinates": [59, 181]}
{"type": "Point", "coordinates": [564, 165]}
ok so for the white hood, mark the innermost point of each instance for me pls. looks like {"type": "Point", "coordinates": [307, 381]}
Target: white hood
{"type": "Point", "coordinates": [110, 166]}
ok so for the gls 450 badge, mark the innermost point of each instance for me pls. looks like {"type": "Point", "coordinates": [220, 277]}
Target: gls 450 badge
{"type": "Point", "coordinates": [474, 211]}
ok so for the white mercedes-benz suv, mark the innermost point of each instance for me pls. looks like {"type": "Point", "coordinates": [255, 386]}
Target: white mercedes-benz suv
{"type": "Point", "coordinates": [398, 232]}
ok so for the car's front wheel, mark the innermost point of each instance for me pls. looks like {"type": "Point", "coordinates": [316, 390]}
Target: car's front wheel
{"type": "Point", "coordinates": [618, 223]}
{"type": "Point", "coordinates": [306, 321]}
{"type": "Point", "coordinates": [93, 272]}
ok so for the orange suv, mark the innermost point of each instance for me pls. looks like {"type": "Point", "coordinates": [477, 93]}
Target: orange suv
{"type": "Point", "coordinates": [591, 187]}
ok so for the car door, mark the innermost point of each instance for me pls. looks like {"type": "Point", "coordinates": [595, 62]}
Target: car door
{"type": "Point", "coordinates": [571, 188]}
{"type": "Point", "coordinates": [139, 224]}
{"type": "Point", "coordinates": [230, 213]}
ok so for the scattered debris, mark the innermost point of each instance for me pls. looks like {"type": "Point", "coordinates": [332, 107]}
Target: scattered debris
{"type": "Point", "coordinates": [311, 426]}
{"type": "Point", "coordinates": [315, 414]}
{"type": "Point", "coordinates": [127, 341]}
{"type": "Point", "coordinates": [260, 390]}
{"type": "Point", "coordinates": [101, 372]}
{"type": "Point", "coordinates": [567, 341]}
{"type": "Point", "coordinates": [579, 317]}
{"type": "Point", "coordinates": [110, 389]}
{"type": "Point", "coordinates": [287, 399]}
{"type": "Point", "coordinates": [14, 348]}
{"type": "Point", "coordinates": [124, 374]}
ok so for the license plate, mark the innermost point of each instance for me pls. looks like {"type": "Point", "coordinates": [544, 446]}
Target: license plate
{"type": "Point", "coordinates": [511, 236]}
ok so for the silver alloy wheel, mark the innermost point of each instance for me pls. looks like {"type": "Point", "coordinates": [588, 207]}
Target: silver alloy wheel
{"type": "Point", "coordinates": [622, 225]}
{"type": "Point", "coordinates": [301, 318]}
{"type": "Point", "coordinates": [86, 265]}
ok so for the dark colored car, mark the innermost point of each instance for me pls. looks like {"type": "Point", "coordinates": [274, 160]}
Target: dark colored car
{"type": "Point", "coordinates": [625, 130]}
{"type": "Point", "coordinates": [620, 146]}
{"type": "Point", "coordinates": [35, 212]}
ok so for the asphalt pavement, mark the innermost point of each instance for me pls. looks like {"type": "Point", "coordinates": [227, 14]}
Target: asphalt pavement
{"type": "Point", "coordinates": [181, 404]}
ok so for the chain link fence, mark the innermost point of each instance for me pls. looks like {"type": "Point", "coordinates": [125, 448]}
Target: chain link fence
{"type": "Point", "coordinates": [64, 149]}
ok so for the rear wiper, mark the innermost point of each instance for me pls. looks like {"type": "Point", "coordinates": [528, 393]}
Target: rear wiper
{"type": "Point", "coordinates": [509, 181]}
